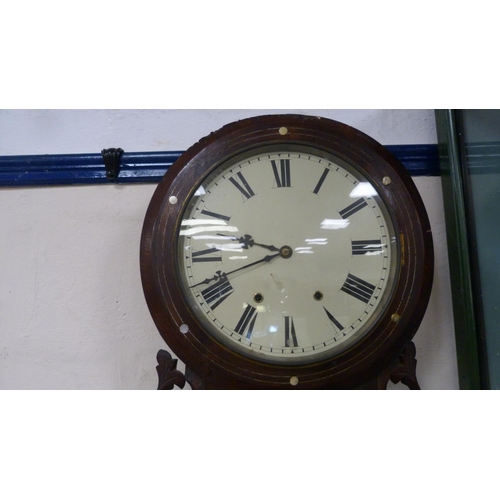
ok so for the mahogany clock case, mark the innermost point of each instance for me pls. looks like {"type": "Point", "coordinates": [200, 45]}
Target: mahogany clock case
{"type": "Point", "coordinates": [213, 364]}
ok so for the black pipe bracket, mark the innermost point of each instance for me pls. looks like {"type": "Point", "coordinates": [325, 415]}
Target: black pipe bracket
{"type": "Point", "coordinates": [112, 158]}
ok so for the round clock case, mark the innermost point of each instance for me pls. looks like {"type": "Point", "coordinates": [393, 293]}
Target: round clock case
{"type": "Point", "coordinates": [286, 251]}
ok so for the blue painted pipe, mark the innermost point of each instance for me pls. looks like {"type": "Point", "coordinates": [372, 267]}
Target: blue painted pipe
{"type": "Point", "coordinates": [50, 170]}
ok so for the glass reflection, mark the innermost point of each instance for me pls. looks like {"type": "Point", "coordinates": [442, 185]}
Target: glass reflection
{"type": "Point", "coordinates": [197, 226]}
{"type": "Point", "coordinates": [363, 190]}
{"type": "Point", "coordinates": [317, 241]}
{"type": "Point", "coordinates": [334, 223]}
{"type": "Point", "coordinates": [303, 250]}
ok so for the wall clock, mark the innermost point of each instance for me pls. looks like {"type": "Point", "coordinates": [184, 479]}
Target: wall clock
{"type": "Point", "coordinates": [287, 252]}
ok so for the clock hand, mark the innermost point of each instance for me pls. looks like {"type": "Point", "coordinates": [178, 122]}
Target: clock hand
{"type": "Point", "coordinates": [220, 275]}
{"type": "Point", "coordinates": [247, 241]}
{"type": "Point", "coordinates": [285, 252]}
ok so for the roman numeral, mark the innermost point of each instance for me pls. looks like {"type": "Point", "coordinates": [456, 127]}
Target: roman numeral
{"type": "Point", "coordinates": [358, 288]}
{"type": "Point", "coordinates": [364, 247]}
{"type": "Point", "coordinates": [352, 209]}
{"type": "Point", "coordinates": [290, 336]}
{"type": "Point", "coordinates": [215, 215]}
{"type": "Point", "coordinates": [282, 175]}
{"type": "Point", "coordinates": [321, 180]}
{"type": "Point", "coordinates": [201, 256]}
{"type": "Point", "coordinates": [245, 190]}
{"type": "Point", "coordinates": [217, 293]}
{"type": "Point", "coordinates": [247, 322]}
{"type": "Point", "coordinates": [333, 320]}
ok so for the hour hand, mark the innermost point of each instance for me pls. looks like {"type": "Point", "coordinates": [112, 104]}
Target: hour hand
{"type": "Point", "coordinates": [247, 241]}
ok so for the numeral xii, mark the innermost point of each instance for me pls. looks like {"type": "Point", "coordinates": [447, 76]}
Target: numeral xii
{"type": "Point", "coordinates": [282, 173]}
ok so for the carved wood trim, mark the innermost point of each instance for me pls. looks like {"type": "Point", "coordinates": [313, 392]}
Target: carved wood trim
{"type": "Point", "coordinates": [168, 375]}
{"type": "Point", "coordinates": [404, 370]}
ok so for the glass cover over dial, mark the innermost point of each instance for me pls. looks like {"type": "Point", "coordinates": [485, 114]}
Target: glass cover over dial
{"type": "Point", "coordinates": [286, 254]}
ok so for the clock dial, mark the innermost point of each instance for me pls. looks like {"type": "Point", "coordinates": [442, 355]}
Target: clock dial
{"type": "Point", "coordinates": [286, 254]}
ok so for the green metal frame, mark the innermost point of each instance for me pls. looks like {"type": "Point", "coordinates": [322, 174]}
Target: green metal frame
{"type": "Point", "coordinates": [458, 237]}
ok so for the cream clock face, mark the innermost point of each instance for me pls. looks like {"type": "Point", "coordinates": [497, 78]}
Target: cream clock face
{"type": "Point", "coordinates": [286, 254]}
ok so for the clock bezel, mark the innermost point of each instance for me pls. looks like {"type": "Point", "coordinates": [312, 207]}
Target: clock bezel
{"type": "Point", "coordinates": [395, 327]}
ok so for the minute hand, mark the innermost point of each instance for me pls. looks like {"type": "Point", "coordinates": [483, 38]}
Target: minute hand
{"type": "Point", "coordinates": [267, 258]}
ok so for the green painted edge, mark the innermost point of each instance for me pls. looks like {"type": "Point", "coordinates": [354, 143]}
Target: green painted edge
{"type": "Point", "coordinates": [466, 335]}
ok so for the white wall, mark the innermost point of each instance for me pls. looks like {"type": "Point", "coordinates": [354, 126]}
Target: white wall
{"type": "Point", "coordinates": [72, 312]}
